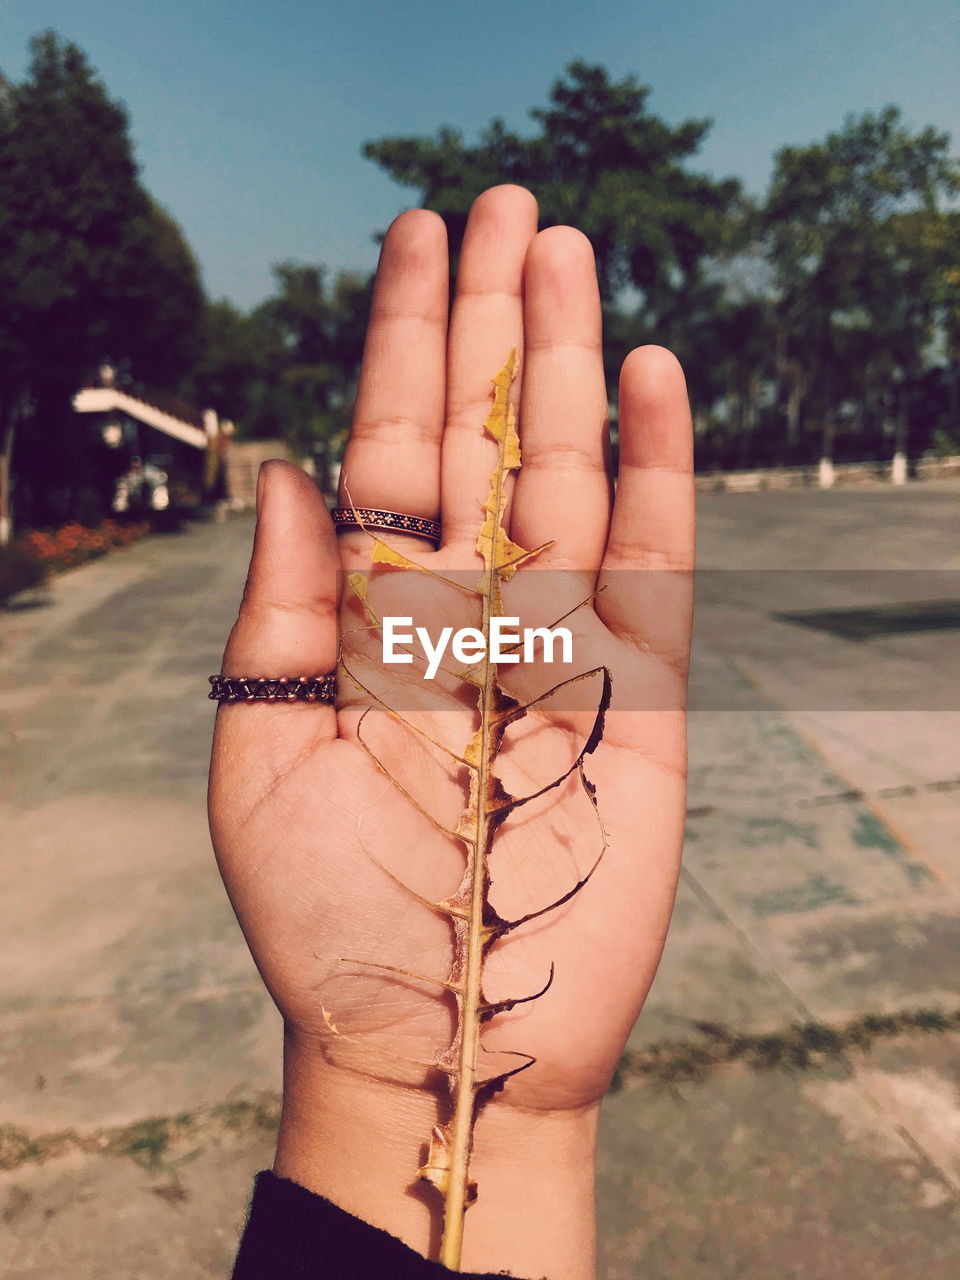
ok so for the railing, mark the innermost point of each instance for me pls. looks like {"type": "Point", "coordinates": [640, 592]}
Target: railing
{"type": "Point", "coordinates": [105, 399]}
{"type": "Point", "coordinates": [842, 474]}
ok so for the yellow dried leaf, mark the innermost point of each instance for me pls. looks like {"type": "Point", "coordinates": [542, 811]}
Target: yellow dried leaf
{"type": "Point", "coordinates": [476, 924]}
{"type": "Point", "coordinates": [474, 748]}
{"type": "Point", "coordinates": [501, 422]}
{"type": "Point", "coordinates": [382, 554]}
{"type": "Point", "coordinates": [359, 584]}
{"type": "Point", "coordinates": [331, 1025]}
{"type": "Point", "coordinates": [501, 555]}
{"type": "Point", "coordinates": [437, 1168]}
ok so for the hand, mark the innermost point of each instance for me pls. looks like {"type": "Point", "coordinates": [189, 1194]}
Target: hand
{"type": "Point", "coordinates": [301, 815]}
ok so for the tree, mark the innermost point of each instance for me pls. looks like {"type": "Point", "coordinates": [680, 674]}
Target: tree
{"type": "Point", "coordinates": [159, 300]}
{"type": "Point", "coordinates": [235, 359]}
{"type": "Point", "coordinates": [318, 331]}
{"type": "Point", "coordinates": [90, 268]}
{"type": "Point", "coordinates": [599, 160]}
{"type": "Point", "coordinates": [848, 224]}
{"type": "Point", "coordinates": [288, 369]}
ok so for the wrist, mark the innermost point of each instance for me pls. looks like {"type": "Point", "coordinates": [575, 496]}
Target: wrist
{"type": "Point", "coordinates": [359, 1142]}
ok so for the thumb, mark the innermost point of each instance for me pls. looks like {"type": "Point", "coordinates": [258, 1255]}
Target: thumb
{"type": "Point", "coordinates": [287, 625]}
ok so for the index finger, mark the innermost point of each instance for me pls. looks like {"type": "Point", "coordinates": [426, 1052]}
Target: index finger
{"type": "Point", "coordinates": [392, 460]}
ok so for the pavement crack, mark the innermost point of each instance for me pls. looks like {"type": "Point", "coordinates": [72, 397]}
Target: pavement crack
{"type": "Point", "coordinates": [715, 909]}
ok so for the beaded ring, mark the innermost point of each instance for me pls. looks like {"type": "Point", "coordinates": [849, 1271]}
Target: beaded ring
{"type": "Point", "coordinates": [392, 521]}
{"type": "Point", "coordinates": [274, 689]}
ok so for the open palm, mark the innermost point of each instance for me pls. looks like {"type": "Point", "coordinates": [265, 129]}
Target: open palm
{"type": "Point", "coordinates": [312, 836]}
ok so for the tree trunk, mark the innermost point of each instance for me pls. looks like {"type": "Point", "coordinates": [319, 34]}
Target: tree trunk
{"type": "Point", "coordinates": [749, 406]}
{"type": "Point", "coordinates": [793, 416]}
{"type": "Point", "coordinates": [953, 418]}
{"type": "Point", "coordinates": [788, 389]}
{"type": "Point", "coordinates": [827, 408]}
{"type": "Point", "coordinates": [901, 430]}
{"type": "Point", "coordinates": [8, 427]}
{"type": "Point", "coordinates": [826, 471]}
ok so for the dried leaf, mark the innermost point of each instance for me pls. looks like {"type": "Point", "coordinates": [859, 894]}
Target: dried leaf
{"type": "Point", "coordinates": [358, 582]}
{"type": "Point", "coordinates": [437, 1168]}
{"type": "Point", "coordinates": [475, 925]}
{"type": "Point", "coordinates": [382, 554]}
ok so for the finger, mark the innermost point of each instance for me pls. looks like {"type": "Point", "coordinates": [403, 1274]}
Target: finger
{"type": "Point", "coordinates": [652, 527]}
{"type": "Point", "coordinates": [563, 488]}
{"type": "Point", "coordinates": [487, 321]}
{"type": "Point", "coordinates": [392, 460]}
{"type": "Point", "coordinates": [287, 624]}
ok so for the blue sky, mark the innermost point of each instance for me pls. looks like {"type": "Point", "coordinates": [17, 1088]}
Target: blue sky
{"type": "Point", "coordinates": [249, 118]}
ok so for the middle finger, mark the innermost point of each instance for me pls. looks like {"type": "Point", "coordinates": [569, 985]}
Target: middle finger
{"type": "Point", "coordinates": [487, 321]}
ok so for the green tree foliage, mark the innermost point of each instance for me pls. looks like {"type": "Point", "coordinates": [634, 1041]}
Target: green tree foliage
{"type": "Point", "coordinates": [598, 159]}
{"type": "Point", "coordinates": [858, 245]}
{"type": "Point", "coordinates": [235, 356]}
{"type": "Point", "coordinates": [824, 318]}
{"type": "Point", "coordinates": [317, 327]}
{"type": "Point", "coordinates": [819, 309]}
{"type": "Point", "coordinates": [159, 302]}
{"type": "Point", "coordinates": [288, 369]}
{"type": "Point", "coordinates": [90, 269]}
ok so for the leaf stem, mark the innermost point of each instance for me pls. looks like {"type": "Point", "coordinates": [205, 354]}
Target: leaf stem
{"type": "Point", "coordinates": [463, 1116]}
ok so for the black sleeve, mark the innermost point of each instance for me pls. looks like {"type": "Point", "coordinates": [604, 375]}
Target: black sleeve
{"type": "Point", "coordinates": [294, 1234]}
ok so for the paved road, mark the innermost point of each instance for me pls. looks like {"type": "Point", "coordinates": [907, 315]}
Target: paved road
{"type": "Point", "coordinates": [139, 1056]}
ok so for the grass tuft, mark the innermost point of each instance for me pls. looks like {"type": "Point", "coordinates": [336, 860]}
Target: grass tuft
{"type": "Point", "coordinates": [801, 1047]}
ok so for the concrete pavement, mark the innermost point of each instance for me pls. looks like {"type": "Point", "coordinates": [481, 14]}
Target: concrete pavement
{"type": "Point", "coordinates": [140, 1056]}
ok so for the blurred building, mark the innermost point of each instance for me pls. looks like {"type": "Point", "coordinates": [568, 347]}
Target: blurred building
{"type": "Point", "coordinates": [155, 451]}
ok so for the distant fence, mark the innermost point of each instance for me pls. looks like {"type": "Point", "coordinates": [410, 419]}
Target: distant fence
{"type": "Point", "coordinates": [244, 458]}
{"type": "Point", "coordinates": [817, 476]}
{"type": "Point", "coordinates": [243, 464]}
